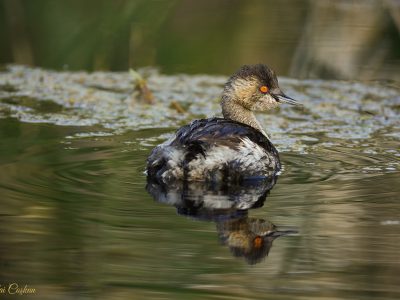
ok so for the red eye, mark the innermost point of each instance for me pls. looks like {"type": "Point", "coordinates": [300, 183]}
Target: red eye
{"type": "Point", "coordinates": [257, 242]}
{"type": "Point", "coordinates": [264, 89]}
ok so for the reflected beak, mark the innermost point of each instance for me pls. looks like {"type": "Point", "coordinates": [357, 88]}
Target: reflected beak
{"type": "Point", "coordinates": [282, 98]}
{"type": "Point", "coordinates": [276, 234]}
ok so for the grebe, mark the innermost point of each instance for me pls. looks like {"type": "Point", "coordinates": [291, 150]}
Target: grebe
{"type": "Point", "coordinates": [229, 149]}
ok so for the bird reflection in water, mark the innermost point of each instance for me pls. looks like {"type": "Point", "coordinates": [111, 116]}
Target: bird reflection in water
{"type": "Point", "coordinates": [250, 238]}
{"type": "Point", "coordinates": [228, 206]}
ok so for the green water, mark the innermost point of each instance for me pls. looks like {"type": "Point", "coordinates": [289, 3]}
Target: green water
{"type": "Point", "coordinates": [77, 223]}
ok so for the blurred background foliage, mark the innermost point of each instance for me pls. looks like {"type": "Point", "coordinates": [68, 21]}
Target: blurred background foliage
{"type": "Point", "coordinates": [339, 39]}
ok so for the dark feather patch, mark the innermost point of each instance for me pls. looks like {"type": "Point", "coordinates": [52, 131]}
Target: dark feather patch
{"type": "Point", "coordinates": [193, 149]}
{"type": "Point", "coordinates": [265, 75]}
{"type": "Point", "coordinates": [222, 132]}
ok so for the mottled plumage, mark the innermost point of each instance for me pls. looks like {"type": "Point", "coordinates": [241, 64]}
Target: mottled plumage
{"type": "Point", "coordinates": [214, 149]}
{"type": "Point", "coordinates": [229, 149]}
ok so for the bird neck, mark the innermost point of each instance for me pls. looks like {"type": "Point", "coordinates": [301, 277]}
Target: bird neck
{"type": "Point", "coordinates": [236, 112]}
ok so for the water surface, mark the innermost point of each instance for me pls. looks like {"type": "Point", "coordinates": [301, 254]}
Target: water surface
{"type": "Point", "coordinates": [77, 222]}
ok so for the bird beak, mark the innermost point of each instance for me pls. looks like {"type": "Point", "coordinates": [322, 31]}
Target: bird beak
{"type": "Point", "coordinates": [282, 98]}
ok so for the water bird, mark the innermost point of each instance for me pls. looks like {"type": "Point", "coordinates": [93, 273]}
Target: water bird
{"type": "Point", "coordinates": [234, 148]}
